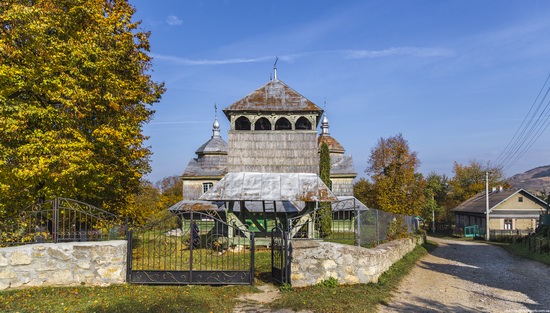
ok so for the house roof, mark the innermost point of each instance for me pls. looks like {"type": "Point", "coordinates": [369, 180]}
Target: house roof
{"type": "Point", "coordinates": [477, 203]}
{"type": "Point", "coordinates": [247, 186]}
{"type": "Point", "coordinates": [275, 96]}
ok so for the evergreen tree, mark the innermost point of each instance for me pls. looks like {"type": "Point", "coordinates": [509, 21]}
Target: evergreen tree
{"type": "Point", "coordinates": [325, 211]}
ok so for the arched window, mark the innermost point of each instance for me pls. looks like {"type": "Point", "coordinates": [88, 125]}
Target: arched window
{"type": "Point", "coordinates": [242, 123]}
{"type": "Point", "coordinates": [262, 124]}
{"type": "Point", "coordinates": [283, 124]}
{"type": "Point", "coordinates": [303, 123]}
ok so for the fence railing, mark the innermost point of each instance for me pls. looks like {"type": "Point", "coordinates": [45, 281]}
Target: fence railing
{"type": "Point", "coordinates": [535, 243]}
{"type": "Point", "coordinates": [61, 220]}
{"type": "Point", "coordinates": [366, 227]}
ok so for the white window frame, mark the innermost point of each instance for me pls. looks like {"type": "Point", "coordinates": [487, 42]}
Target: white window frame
{"type": "Point", "coordinates": [206, 186]}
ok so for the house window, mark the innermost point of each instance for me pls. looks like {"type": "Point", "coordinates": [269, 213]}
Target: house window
{"type": "Point", "coordinates": [206, 186]}
{"type": "Point", "coordinates": [520, 199]}
{"type": "Point", "coordinates": [508, 224]}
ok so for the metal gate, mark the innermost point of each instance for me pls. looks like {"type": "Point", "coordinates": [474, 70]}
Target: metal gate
{"type": "Point", "coordinates": [281, 256]}
{"type": "Point", "coordinates": [190, 248]}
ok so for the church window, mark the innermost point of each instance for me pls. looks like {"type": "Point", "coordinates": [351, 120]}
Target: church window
{"type": "Point", "coordinates": [262, 124]}
{"type": "Point", "coordinates": [242, 123]}
{"type": "Point", "coordinates": [283, 124]}
{"type": "Point", "coordinates": [303, 123]}
{"type": "Point", "coordinates": [206, 186]}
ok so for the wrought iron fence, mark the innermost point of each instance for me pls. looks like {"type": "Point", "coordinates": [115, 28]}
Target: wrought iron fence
{"type": "Point", "coordinates": [355, 226]}
{"type": "Point", "coordinates": [61, 220]}
{"type": "Point", "coordinates": [186, 247]}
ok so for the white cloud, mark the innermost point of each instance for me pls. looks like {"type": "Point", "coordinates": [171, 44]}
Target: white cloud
{"type": "Point", "coordinates": [184, 61]}
{"type": "Point", "coordinates": [173, 20]}
{"type": "Point", "coordinates": [410, 51]}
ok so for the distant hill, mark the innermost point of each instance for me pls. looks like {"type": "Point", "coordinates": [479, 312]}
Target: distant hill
{"type": "Point", "coordinates": [533, 180]}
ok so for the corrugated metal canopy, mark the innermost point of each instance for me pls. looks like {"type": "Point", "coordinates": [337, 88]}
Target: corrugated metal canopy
{"type": "Point", "coordinates": [195, 205]}
{"type": "Point", "coordinates": [248, 186]}
{"type": "Point", "coordinates": [348, 203]}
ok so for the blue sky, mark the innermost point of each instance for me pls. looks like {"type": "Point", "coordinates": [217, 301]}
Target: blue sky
{"type": "Point", "coordinates": [456, 78]}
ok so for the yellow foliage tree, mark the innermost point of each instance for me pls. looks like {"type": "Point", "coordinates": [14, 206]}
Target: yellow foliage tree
{"type": "Point", "coordinates": [75, 93]}
{"type": "Point", "coordinates": [397, 187]}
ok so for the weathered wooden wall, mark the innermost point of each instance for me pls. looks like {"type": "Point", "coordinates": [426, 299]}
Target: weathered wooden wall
{"type": "Point", "coordinates": [273, 151]}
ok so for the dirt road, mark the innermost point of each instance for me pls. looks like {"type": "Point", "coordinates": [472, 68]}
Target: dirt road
{"type": "Point", "coordinates": [465, 276]}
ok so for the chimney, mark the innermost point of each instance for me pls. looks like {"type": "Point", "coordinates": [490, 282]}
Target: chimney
{"type": "Point", "coordinates": [500, 188]}
{"type": "Point", "coordinates": [494, 189]}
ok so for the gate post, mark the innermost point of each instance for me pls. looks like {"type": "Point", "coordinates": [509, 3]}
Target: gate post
{"type": "Point", "coordinates": [55, 219]}
{"type": "Point", "coordinates": [129, 255]}
{"type": "Point", "coordinates": [252, 253]}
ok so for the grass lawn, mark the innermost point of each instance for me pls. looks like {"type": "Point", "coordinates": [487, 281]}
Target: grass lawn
{"type": "Point", "coordinates": [138, 298]}
{"type": "Point", "coordinates": [524, 252]}
{"type": "Point", "coordinates": [352, 298]}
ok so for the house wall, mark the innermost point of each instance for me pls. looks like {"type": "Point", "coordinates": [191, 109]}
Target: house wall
{"type": "Point", "coordinates": [513, 204]}
{"type": "Point", "coordinates": [273, 151]}
{"type": "Point", "coordinates": [63, 264]}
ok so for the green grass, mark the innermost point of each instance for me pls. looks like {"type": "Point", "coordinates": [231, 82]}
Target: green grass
{"type": "Point", "coordinates": [352, 298]}
{"type": "Point", "coordinates": [137, 298]}
{"type": "Point", "coordinates": [123, 298]}
{"type": "Point", "coordinates": [134, 298]}
{"type": "Point", "coordinates": [524, 252]}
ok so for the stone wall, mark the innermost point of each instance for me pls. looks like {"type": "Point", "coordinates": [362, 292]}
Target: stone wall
{"type": "Point", "coordinates": [63, 264]}
{"type": "Point", "coordinates": [314, 261]}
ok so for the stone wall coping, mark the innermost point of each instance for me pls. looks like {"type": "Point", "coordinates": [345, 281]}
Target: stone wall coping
{"type": "Point", "coordinates": [306, 243]}
{"type": "Point", "coordinates": [62, 245]}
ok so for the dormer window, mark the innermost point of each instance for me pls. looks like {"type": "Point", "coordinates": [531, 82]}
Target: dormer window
{"type": "Point", "coordinates": [303, 123]}
{"type": "Point", "coordinates": [242, 123]}
{"type": "Point", "coordinates": [262, 124]}
{"type": "Point", "coordinates": [283, 124]}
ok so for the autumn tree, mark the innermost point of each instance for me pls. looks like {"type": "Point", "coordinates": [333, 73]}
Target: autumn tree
{"type": "Point", "coordinates": [325, 212]}
{"type": "Point", "coordinates": [397, 187]}
{"type": "Point", "coordinates": [75, 93]}
{"type": "Point", "coordinates": [468, 180]}
{"type": "Point", "coordinates": [363, 190]}
{"type": "Point", "coordinates": [171, 190]}
{"type": "Point", "coordinates": [437, 202]}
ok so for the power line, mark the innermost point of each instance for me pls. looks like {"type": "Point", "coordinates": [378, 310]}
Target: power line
{"type": "Point", "coordinates": [531, 128]}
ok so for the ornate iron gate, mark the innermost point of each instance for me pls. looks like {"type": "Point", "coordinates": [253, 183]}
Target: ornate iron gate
{"type": "Point", "coordinates": [281, 256]}
{"type": "Point", "coordinates": [190, 248]}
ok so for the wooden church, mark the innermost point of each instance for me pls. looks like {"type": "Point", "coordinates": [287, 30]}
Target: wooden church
{"type": "Point", "coordinates": [267, 171]}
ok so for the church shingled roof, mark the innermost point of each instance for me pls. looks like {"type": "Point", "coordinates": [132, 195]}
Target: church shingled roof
{"type": "Point", "coordinates": [275, 96]}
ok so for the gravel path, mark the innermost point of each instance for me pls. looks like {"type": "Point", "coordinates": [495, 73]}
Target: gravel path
{"type": "Point", "coordinates": [466, 276]}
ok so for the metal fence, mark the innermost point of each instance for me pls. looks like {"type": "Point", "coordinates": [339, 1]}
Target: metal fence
{"type": "Point", "coordinates": [366, 228]}
{"type": "Point", "coordinates": [535, 243]}
{"type": "Point", "coordinates": [61, 220]}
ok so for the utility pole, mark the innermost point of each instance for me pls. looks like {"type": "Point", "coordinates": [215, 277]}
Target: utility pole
{"type": "Point", "coordinates": [433, 214]}
{"type": "Point", "coordinates": [487, 206]}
